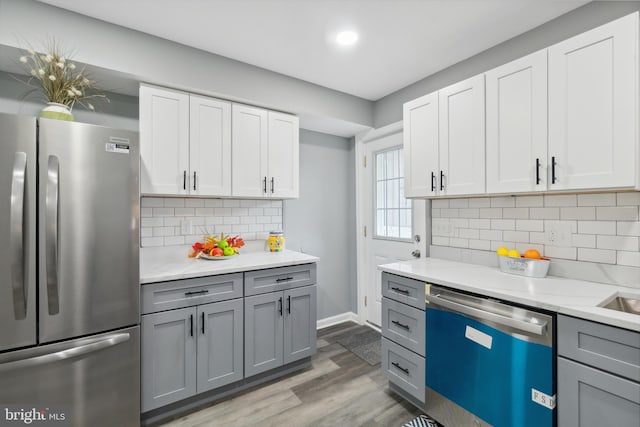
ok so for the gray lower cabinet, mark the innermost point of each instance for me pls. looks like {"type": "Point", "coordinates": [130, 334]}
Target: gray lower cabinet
{"type": "Point", "coordinates": [189, 351]}
{"type": "Point", "coordinates": [598, 374]}
{"type": "Point", "coordinates": [280, 327]}
{"type": "Point", "coordinates": [168, 356]}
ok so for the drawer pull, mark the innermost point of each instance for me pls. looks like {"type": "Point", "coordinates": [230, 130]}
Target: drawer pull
{"type": "Point", "coordinates": [402, 291]}
{"type": "Point", "coordinates": [397, 365]}
{"type": "Point", "coordinates": [400, 325]}
{"type": "Point", "coordinates": [284, 279]}
{"type": "Point", "coordinates": [202, 292]}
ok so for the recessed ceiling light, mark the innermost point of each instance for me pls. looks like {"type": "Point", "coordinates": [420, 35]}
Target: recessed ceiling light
{"type": "Point", "coordinates": [347, 38]}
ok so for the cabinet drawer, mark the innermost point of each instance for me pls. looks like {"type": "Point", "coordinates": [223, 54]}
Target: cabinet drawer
{"type": "Point", "coordinates": [404, 325]}
{"type": "Point", "coordinates": [403, 368]}
{"type": "Point", "coordinates": [605, 347]}
{"type": "Point", "coordinates": [279, 279]}
{"type": "Point", "coordinates": [188, 292]}
{"type": "Point", "coordinates": [403, 289]}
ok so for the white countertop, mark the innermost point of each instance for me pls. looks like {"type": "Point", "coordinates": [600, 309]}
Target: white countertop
{"type": "Point", "coordinates": [172, 263]}
{"type": "Point", "coordinates": [567, 296]}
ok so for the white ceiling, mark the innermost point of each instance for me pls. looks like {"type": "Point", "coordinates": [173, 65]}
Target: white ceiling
{"type": "Point", "coordinates": [401, 41]}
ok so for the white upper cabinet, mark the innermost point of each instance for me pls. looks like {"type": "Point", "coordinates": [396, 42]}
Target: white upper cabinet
{"type": "Point", "coordinates": [593, 114]}
{"type": "Point", "coordinates": [265, 153]}
{"type": "Point", "coordinates": [516, 102]}
{"type": "Point", "coordinates": [164, 141]}
{"type": "Point", "coordinates": [283, 153]}
{"type": "Point", "coordinates": [185, 143]}
{"type": "Point", "coordinates": [210, 147]}
{"type": "Point", "coordinates": [462, 139]}
{"type": "Point", "coordinates": [420, 134]}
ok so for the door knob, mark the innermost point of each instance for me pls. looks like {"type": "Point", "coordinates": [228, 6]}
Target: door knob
{"type": "Point", "coordinates": [416, 253]}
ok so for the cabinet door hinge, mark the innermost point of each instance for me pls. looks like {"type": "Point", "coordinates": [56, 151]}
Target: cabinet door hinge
{"type": "Point", "coordinates": [365, 300]}
{"type": "Point", "coordinates": [364, 161]}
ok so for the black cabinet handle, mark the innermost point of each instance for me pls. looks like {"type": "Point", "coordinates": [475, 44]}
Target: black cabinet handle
{"type": "Point", "coordinates": [273, 185]}
{"type": "Point", "coordinates": [194, 180]}
{"type": "Point", "coordinates": [202, 322]}
{"type": "Point", "coordinates": [433, 181]}
{"type": "Point", "coordinates": [191, 293]}
{"type": "Point", "coordinates": [553, 170]}
{"type": "Point", "coordinates": [441, 181]}
{"type": "Point", "coordinates": [184, 180]}
{"type": "Point", "coordinates": [289, 304]}
{"type": "Point", "coordinates": [402, 291]}
{"type": "Point", "coordinates": [280, 305]}
{"type": "Point", "coordinates": [397, 365]}
{"type": "Point", "coordinates": [400, 325]}
{"type": "Point", "coordinates": [537, 171]}
{"type": "Point", "coordinates": [264, 185]}
{"type": "Point", "coordinates": [191, 324]}
{"type": "Point", "coordinates": [283, 279]}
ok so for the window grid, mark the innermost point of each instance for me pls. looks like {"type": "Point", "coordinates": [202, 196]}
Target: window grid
{"type": "Point", "coordinates": [393, 212]}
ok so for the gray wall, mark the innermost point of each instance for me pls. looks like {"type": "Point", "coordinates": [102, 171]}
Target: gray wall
{"type": "Point", "coordinates": [137, 56]}
{"type": "Point", "coordinates": [388, 110]}
{"type": "Point", "coordinates": [322, 221]}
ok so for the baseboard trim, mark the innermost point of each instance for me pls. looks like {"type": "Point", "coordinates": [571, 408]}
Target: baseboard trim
{"type": "Point", "coordinates": [349, 316]}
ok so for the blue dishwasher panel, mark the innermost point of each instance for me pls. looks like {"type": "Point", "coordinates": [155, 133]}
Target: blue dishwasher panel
{"type": "Point", "coordinates": [495, 384]}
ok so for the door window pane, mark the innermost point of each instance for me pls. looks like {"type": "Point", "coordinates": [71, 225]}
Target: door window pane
{"type": "Point", "coordinates": [392, 211]}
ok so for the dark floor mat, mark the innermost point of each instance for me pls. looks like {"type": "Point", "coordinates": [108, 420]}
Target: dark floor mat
{"type": "Point", "coordinates": [356, 338]}
{"type": "Point", "coordinates": [370, 352]}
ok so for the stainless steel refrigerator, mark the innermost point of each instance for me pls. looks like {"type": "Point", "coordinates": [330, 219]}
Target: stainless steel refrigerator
{"type": "Point", "coordinates": [69, 292]}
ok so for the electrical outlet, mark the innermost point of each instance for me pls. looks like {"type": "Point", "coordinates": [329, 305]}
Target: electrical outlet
{"type": "Point", "coordinates": [186, 227]}
{"type": "Point", "coordinates": [558, 234]}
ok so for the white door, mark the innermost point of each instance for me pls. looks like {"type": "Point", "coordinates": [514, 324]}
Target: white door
{"type": "Point", "coordinates": [517, 125]}
{"type": "Point", "coordinates": [210, 147]}
{"type": "Point", "coordinates": [593, 89]}
{"type": "Point", "coordinates": [249, 154]}
{"type": "Point", "coordinates": [283, 155]}
{"type": "Point", "coordinates": [462, 138]}
{"type": "Point", "coordinates": [420, 124]}
{"type": "Point", "coordinates": [164, 141]}
{"type": "Point", "coordinates": [393, 221]}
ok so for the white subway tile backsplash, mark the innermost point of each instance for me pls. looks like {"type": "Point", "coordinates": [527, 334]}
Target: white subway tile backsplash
{"type": "Point", "coordinates": [597, 227]}
{"type": "Point", "coordinates": [560, 252]}
{"type": "Point", "coordinates": [185, 212]}
{"type": "Point", "coordinates": [248, 220]}
{"type": "Point", "coordinates": [222, 211]}
{"type": "Point", "coordinates": [583, 241]}
{"type": "Point", "coordinates": [601, 199]}
{"type": "Point", "coordinates": [628, 228]}
{"type": "Point", "coordinates": [515, 213]}
{"type": "Point", "coordinates": [469, 213]}
{"type": "Point", "coordinates": [436, 213]}
{"type": "Point", "coordinates": [174, 240]}
{"type": "Point", "coordinates": [516, 236]}
{"type": "Point", "coordinates": [480, 202]}
{"type": "Point", "coordinates": [480, 244]}
{"type": "Point", "coordinates": [529, 202]}
{"type": "Point", "coordinates": [458, 243]}
{"type": "Point", "coordinates": [620, 213]}
{"type": "Point", "coordinates": [212, 203]}
{"type": "Point", "coordinates": [503, 202]}
{"type": "Point", "coordinates": [271, 211]}
{"type": "Point", "coordinates": [503, 224]}
{"type": "Point", "coordinates": [459, 203]}
{"type": "Point", "coordinates": [173, 203]}
{"type": "Point", "coordinates": [172, 221]}
{"type": "Point", "coordinates": [597, 255]}
{"type": "Point", "coordinates": [231, 203]}
{"type": "Point", "coordinates": [204, 211]}
{"type": "Point", "coordinates": [625, 199]}
{"type": "Point", "coordinates": [490, 212]}
{"type": "Point", "coordinates": [240, 211]}
{"type": "Point", "coordinates": [440, 241]}
{"type": "Point", "coordinates": [440, 203]}
{"type": "Point", "coordinates": [163, 212]}
{"type": "Point", "coordinates": [629, 258]}
{"type": "Point", "coordinates": [146, 212]}
{"type": "Point", "coordinates": [495, 244]}
{"type": "Point", "coordinates": [151, 222]}
{"type": "Point", "coordinates": [540, 238]}
{"type": "Point", "coordinates": [621, 243]}
{"type": "Point", "coordinates": [152, 202]}
{"type": "Point", "coordinates": [231, 220]}
{"type": "Point", "coordinates": [556, 200]}
{"type": "Point", "coordinates": [583, 213]}
{"type": "Point", "coordinates": [544, 213]}
{"type": "Point", "coordinates": [152, 241]}
{"type": "Point", "coordinates": [194, 203]}
{"type": "Point", "coordinates": [214, 220]}
{"type": "Point", "coordinates": [146, 232]}
{"type": "Point", "coordinates": [491, 234]}
{"type": "Point", "coordinates": [247, 203]}
{"type": "Point", "coordinates": [529, 225]}
{"type": "Point", "coordinates": [469, 233]}
{"type": "Point", "coordinates": [163, 231]}
{"type": "Point", "coordinates": [479, 223]}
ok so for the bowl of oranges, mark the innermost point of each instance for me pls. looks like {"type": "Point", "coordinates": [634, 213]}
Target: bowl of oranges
{"type": "Point", "coordinates": [531, 264]}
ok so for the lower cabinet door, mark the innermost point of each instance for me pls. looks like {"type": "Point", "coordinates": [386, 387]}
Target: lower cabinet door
{"type": "Point", "coordinates": [168, 357]}
{"type": "Point", "coordinates": [263, 346]}
{"type": "Point", "coordinates": [299, 323]}
{"type": "Point", "coordinates": [220, 335]}
{"type": "Point", "coordinates": [589, 397]}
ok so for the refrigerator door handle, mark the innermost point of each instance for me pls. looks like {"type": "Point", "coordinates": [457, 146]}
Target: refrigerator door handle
{"type": "Point", "coordinates": [18, 235]}
{"type": "Point", "coordinates": [106, 342]}
{"type": "Point", "coordinates": [51, 229]}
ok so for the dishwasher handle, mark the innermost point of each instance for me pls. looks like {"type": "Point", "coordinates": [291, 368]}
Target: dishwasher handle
{"type": "Point", "coordinates": [533, 328]}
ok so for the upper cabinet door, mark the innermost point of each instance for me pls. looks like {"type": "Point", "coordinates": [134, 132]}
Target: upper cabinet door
{"type": "Point", "coordinates": [420, 133]}
{"type": "Point", "coordinates": [283, 154]}
{"type": "Point", "coordinates": [462, 138]}
{"type": "Point", "coordinates": [593, 93]}
{"type": "Point", "coordinates": [210, 147]}
{"type": "Point", "coordinates": [164, 141]}
{"type": "Point", "coordinates": [249, 155]}
{"type": "Point", "coordinates": [517, 125]}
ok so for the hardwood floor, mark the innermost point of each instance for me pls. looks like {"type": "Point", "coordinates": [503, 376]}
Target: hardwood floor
{"type": "Point", "coordinates": [340, 390]}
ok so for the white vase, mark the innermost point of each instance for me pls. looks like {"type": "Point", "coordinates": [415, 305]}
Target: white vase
{"type": "Point", "coordinates": [56, 111]}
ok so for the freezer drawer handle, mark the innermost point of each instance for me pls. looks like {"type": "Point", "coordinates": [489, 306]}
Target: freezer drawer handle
{"type": "Point", "coordinates": [108, 341]}
{"type": "Point", "coordinates": [397, 365]}
{"type": "Point", "coordinates": [284, 279]}
{"type": "Point", "coordinates": [402, 291]}
{"type": "Point", "coordinates": [17, 236]}
{"type": "Point", "coordinates": [534, 328]}
{"type": "Point", "coordinates": [395, 322]}
{"type": "Point", "coordinates": [203, 291]}
{"type": "Point", "coordinates": [51, 229]}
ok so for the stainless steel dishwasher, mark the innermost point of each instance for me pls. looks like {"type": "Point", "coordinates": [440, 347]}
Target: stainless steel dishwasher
{"type": "Point", "coordinates": [488, 363]}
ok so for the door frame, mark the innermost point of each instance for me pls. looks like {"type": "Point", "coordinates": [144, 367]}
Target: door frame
{"type": "Point", "coordinates": [362, 201]}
